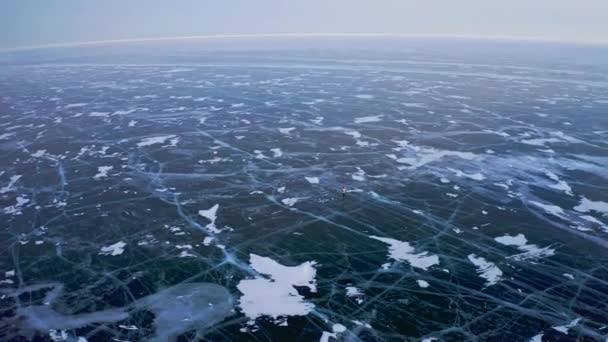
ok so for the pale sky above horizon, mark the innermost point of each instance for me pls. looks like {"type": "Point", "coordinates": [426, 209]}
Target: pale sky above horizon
{"type": "Point", "coordinates": [33, 23]}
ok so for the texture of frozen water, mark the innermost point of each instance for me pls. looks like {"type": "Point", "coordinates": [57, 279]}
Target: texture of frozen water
{"type": "Point", "coordinates": [157, 193]}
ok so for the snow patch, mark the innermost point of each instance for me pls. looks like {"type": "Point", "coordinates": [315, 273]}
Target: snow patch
{"type": "Point", "coordinates": [113, 250]}
{"type": "Point", "coordinates": [211, 215]}
{"type": "Point", "coordinates": [102, 171]}
{"type": "Point", "coordinates": [365, 119]}
{"type": "Point", "coordinates": [155, 140]}
{"type": "Point", "coordinates": [530, 251]}
{"type": "Point", "coordinates": [312, 180]}
{"type": "Point", "coordinates": [422, 283]}
{"type": "Point", "coordinates": [273, 292]}
{"type": "Point", "coordinates": [587, 205]}
{"type": "Point", "coordinates": [487, 270]}
{"type": "Point", "coordinates": [402, 251]}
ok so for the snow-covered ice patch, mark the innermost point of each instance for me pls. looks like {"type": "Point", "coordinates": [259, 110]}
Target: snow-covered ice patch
{"type": "Point", "coordinates": [564, 328]}
{"type": "Point", "coordinates": [359, 175]}
{"type": "Point", "coordinates": [290, 201]}
{"type": "Point", "coordinates": [38, 153]}
{"type": "Point", "coordinates": [273, 292]}
{"type": "Point", "coordinates": [365, 119]}
{"type": "Point", "coordinates": [352, 291]}
{"type": "Point", "coordinates": [550, 208]}
{"type": "Point", "coordinates": [587, 205]}
{"type": "Point", "coordinates": [560, 185]}
{"type": "Point", "coordinates": [422, 283]}
{"type": "Point", "coordinates": [259, 154]}
{"type": "Point", "coordinates": [530, 251]}
{"type": "Point", "coordinates": [475, 176]}
{"type": "Point", "coordinates": [11, 182]}
{"type": "Point", "coordinates": [312, 180]}
{"type": "Point", "coordinates": [568, 275]}
{"type": "Point", "coordinates": [277, 152]}
{"type": "Point", "coordinates": [211, 215]}
{"type": "Point", "coordinates": [402, 251]}
{"type": "Point", "coordinates": [100, 114]}
{"type": "Point", "coordinates": [428, 155]}
{"type": "Point", "coordinates": [336, 328]}
{"type": "Point", "coordinates": [16, 208]}
{"type": "Point", "coordinates": [113, 250]}
{"type": "Point", "coordinates": [286, 130]}
{"type": "Point", "coordinates": [354, 134]}
{"type": "Point", "coordinates": [5, 136]}
{"type": "Point", "coordinates": [102, 171]}
{"type": "Point", "coordinates": [487, 270]}
{"type": "Point", "coordinates": [155, 140]}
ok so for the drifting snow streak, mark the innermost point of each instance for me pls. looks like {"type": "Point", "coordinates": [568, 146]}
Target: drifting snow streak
{"type": "Point", "coordinates": [155, 140]}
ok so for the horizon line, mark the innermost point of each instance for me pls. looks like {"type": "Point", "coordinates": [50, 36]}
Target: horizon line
{"type": "Point", "coordinates": [308, 35]}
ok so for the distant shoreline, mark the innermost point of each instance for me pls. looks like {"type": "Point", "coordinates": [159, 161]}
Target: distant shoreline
{"type": "Point", "coordinates": [514, 39]}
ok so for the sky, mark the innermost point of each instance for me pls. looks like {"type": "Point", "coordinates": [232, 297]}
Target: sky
{"type": "Point", "coordinates": [26, 23]}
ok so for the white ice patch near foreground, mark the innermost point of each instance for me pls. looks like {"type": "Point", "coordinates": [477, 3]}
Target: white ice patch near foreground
{"type": "Point", "coordinates": [286, 130]}
{"type": "Point", "coordinates": [277, 152]}
{"type": "Point", "coordinates": [115, 249]}
{"type": "Point", "coordinates": [365, 119]}
{"type": "Point", "coordinates": [423, 283]}
{"type": "Point", "coordinates": [475, 176]}
{"type": "Point", "coordinates": [38, 154]}
{"type": "Point", "coordinates": [530, 251]}
{"type": "Point", "coordinates": [336, 328]}
{"type": "Point", "coordinates": [550, 208]}
{"type": "Point", "coordinates": [564, 328]}
{"type": "Point", "coordinates": [560, 185]}
{"type": "Point", "coordinates": [290, 201]}
{"type": "Point", "coordinates": [12, 181]}
{"type": "Point", "coordinates": [587, 205]}
{"type": "Point", "coordinates": [402, 251]}
{"type": "Point", "coordinates": [354, 134]}
{"type": "Point", "coordinates": [155, 140]}
{"type": "Point", "coordinates": [359, 175]}
{"type": "Point", "coordinates": [273, 292]}
{"type": "Point", "coordinates": [211, 215]}
{"type": "Point", "coordinates": [16, 208]}
{"type": "Point", "coordinates": [102, 171]}
{"type": "Point", "coordinates": [354, 292]}
{"type": "Point", "coordinates": [487, 270]}
{"type": "Point", "coordinates": [312, 180]}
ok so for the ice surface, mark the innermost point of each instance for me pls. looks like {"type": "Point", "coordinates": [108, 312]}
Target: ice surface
{"type": "Point", "coordinates": [187, 306]}
{"type": "Point", "coordinates": [435, 170]}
